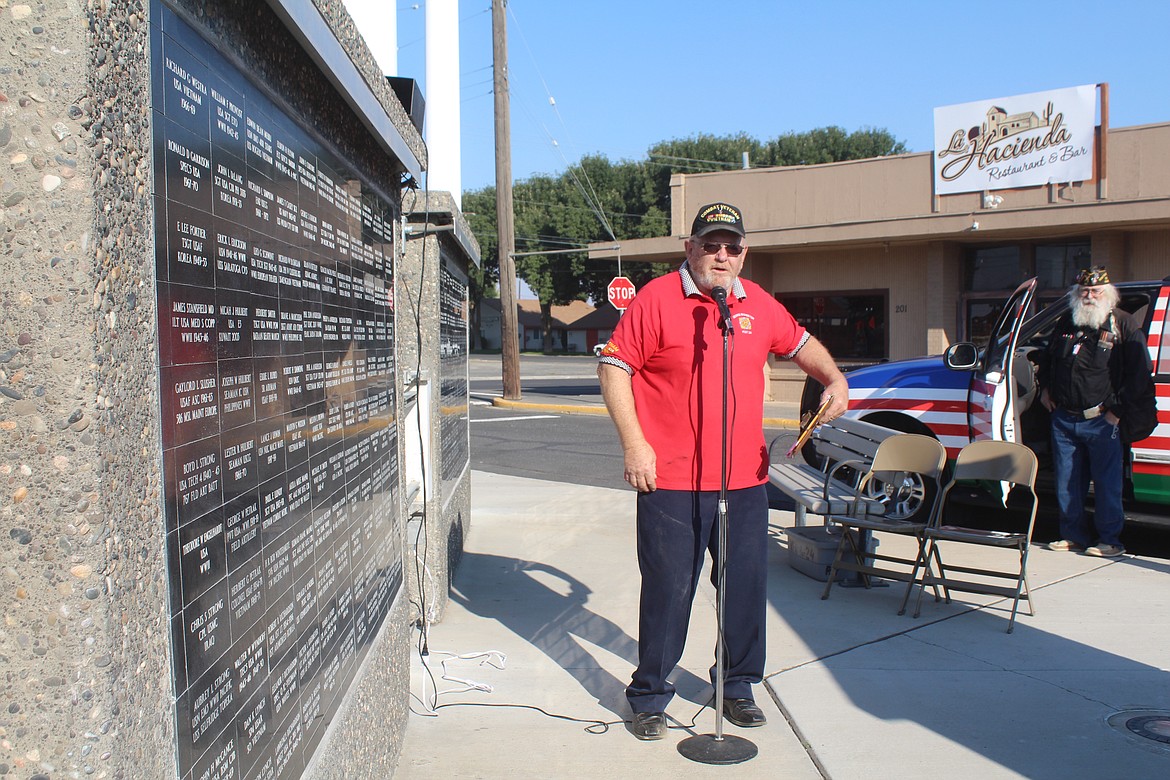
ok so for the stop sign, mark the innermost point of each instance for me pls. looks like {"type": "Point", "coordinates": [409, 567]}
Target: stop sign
{"type": "Point", "coordinates": [620, 292]}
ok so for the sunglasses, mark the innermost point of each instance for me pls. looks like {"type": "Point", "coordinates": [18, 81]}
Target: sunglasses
{"type": "Point", "coordinates": [712, 248]}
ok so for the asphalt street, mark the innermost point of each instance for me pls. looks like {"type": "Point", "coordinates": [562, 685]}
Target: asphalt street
{"type": "Point", "coordinates": [551, 444]}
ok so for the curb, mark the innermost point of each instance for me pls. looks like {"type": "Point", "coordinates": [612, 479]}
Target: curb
{"type": "Point", "coordinates": [503, 403]}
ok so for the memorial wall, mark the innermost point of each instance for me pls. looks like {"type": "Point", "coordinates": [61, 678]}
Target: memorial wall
{"type": "Point", "coordinates": [199, 399]}
{"type": "Point", "coordinates": [279, 436]}
{"type": "Point", "coordinates": [435, 266]}
{"type": "Point", "coordinates": [453, 433]}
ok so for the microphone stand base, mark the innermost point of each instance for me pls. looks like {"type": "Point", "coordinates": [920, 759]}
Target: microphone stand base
{"type": "Point", "coordinates": [709, 749]}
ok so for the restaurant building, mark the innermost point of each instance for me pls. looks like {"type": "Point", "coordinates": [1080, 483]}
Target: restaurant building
{"type": "Point", "coordinates": [880, 262]}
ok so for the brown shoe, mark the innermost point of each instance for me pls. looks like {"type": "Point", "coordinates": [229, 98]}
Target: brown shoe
{"type": "Point", "coordinates": [743, 713]}
{"type": "Point", "coordinates": [649, 725]}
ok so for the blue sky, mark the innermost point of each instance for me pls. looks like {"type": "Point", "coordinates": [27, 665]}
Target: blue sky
{"type": "Point", "coordinates": [625, 75]}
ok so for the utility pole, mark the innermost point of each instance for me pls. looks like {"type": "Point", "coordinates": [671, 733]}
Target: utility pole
{"type": "Point", "coordinates": [510, 352]}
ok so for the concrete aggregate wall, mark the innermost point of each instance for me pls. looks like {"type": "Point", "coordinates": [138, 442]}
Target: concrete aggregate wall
{"type": "Point", "coordinates": [83, 642]}
{"type": "Point", "coordinates": [86, 688]}
{"type": "Point", "coordinates": [430, 270]}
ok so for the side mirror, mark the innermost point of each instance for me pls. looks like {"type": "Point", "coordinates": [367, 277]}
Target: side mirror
{"type": "Point", "coordinates": [963, 356]}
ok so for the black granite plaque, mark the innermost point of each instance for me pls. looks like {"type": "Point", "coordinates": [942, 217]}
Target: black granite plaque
{"type": "Point", "coordinates": [276, 399]}
{"type": "Point", "coordinates": [190, 246]}
{"type": "Point", "coordinates": [254, 724]}
{"type": "Point", "coordinates": [453, 422]}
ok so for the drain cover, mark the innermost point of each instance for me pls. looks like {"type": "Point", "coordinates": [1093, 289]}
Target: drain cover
{"type": "Point", "coordinates": [1151, 725]}
{"type": "Point", "coordinates": [1155, 727]}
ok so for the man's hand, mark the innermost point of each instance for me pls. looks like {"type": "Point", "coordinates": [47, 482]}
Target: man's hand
{"type": "Point", "coordinates": [1046, 400]}
{"type": "Point", "coordinates": [641, 467]}
{"type": "Point", "coordinates": [840, 391]}
{"type": "Point", "coordinates": [640, 460]}
{"type": "Point", "coordinates": [1112, 419]}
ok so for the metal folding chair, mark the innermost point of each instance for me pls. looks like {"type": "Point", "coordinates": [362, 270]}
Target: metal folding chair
{"type": "Point", "coordinates": [905, 472]}
{"type": "Point", "coordinates": [1014, 467]}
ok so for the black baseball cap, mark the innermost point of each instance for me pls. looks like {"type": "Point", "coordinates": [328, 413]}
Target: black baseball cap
{"type": "Point", "coordinates": [718, 216]}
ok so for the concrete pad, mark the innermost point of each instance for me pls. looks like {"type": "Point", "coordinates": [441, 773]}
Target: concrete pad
{"type": "Point", "coordinates": [549, 579]}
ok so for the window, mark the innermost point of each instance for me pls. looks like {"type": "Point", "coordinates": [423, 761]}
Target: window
{"type": "Point", "coordinates": [991, 273]}
{"type": "Point", "coordinates": [981, 317]}
{"type": "Point", "coordinates": [1057, 264]}
{"type": "Point", "coordinates": [851, 325]}
{"type": "Point", "coordinates": [994, 268]}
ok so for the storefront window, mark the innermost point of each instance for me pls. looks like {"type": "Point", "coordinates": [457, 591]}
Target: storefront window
{"type": "Point", "coordinates": [994, 268]}
{"type": "Point", "coordinates": [981, 317]}
{"type": "Point", "coordinates": [1057, 264]}
{"type": "Point", "coordinates": [852, 325]}
{"type": "Point", "coordinates": [991, 273]}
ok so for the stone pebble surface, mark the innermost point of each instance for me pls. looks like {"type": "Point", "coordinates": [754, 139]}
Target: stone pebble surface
{"type": "Point", "coordinates": [84, 633]}
{"type": "Point", "coordinates": [84, 636]}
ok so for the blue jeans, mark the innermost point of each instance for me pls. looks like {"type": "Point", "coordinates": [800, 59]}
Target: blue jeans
{"type": "Point", "coordinates": [1083, 450]}
{"type": "Point", "coordinates": [676, 530]}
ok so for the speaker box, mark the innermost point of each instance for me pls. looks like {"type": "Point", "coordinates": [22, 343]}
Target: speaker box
{"type": "Point", "coordinates": [411, 98]}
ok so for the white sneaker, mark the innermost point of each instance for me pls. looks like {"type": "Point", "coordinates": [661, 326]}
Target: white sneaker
{"type": "Point", "coordinates": [1106, 551]}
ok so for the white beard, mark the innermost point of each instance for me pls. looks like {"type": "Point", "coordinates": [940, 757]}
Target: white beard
{"type": "Point", "coordinates": [1090, 313]}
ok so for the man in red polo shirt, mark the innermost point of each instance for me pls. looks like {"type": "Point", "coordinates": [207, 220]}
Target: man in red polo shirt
{"type": "Point", "coordinates": [662, 379]}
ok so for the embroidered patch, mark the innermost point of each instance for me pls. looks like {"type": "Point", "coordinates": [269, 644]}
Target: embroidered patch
{"type": "Point", "coordinates": [610, 349]}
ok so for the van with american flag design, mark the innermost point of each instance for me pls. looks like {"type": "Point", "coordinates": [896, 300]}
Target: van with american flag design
{"type": "Point", "coordinates": [989, 392]}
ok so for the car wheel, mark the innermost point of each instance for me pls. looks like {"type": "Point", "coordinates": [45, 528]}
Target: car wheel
{"type": "Point", "coordinates": [913, 497]}
{"type": "Point", "coordinates": [908, 498]}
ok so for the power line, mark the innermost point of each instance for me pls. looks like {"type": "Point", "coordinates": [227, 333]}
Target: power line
{"type": "Point", "coordinates": [567, 207]}
{"type": "Point", "coordinates": [586, 188]}
{"type": "Point", "coordinates": [692, 159]}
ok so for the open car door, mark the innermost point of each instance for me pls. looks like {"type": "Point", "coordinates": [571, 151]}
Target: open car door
{"type": "Point", "coordinates": [992, 401]}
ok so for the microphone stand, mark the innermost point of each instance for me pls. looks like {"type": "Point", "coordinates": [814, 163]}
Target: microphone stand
{"type": "Point", "coordinates": [720, 748]}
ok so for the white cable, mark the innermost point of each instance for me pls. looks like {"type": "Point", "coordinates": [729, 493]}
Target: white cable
{"type": "Point", "coordinates": [501, 659]}
{"type": "Point", "coordinates": [493, 658]}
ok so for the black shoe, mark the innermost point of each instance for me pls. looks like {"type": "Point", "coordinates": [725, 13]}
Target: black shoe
{"type": "Point", "coordinates": [649, 725]}
{"type": "Point", "coordinates": [743, 713]}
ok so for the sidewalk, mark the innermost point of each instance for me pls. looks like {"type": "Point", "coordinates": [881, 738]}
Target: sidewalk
{"type": "Point", "coordinates": [549, 579]}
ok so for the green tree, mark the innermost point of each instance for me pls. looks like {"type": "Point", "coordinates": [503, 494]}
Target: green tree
{"type": "Point", "coordinates": [698, 154]}
{"type": "Point", "coordinates": [479, 208]}
{"type": "Point", "coordinates": [554, 216]}
{"type": "Point", "coordinates": [829, 144]}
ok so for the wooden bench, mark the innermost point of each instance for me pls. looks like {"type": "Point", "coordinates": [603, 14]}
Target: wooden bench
{"type": "Point", "coordinates": [827, 488]}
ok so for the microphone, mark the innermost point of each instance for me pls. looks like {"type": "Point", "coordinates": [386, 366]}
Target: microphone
{"type": "Point", "coordinates": [720, 296]}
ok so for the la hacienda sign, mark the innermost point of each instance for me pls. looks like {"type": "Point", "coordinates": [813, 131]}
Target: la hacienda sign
{"type": "Point", "coordinates": [1021, 141]}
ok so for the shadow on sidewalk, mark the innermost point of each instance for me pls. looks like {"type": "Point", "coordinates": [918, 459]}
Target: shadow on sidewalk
{"type": "Point", "coordinates": [1033, 702]}
{"type": "Point", "coordinates": [549, 609]}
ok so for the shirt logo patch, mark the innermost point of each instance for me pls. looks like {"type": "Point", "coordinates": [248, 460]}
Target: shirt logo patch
{"type": "Point", "coordinates": [610, 349]}
{"type": "Point", "coordinates": [745, 322]}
